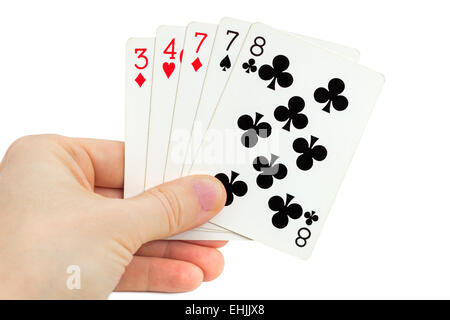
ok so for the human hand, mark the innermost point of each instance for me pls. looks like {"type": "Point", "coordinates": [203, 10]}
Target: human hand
{"type": "Point", "coordinates": [60, 206]}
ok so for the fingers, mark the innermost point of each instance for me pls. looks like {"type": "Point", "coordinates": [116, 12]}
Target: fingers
{"type": "Point", "coordinates": [173, 207]}
{"type": "Point", "coordinates": [159, 274]}
{"type": "Point", "coordinates": [107, 159]}
{"type": "Point", "coordinates": [91, 161]}
{"type": "Point", "coordinates": [210, 260]}
{"type": "Point", "coordinates": [109, 192]}
{"type": "Point", "coordinates": [208, 243]}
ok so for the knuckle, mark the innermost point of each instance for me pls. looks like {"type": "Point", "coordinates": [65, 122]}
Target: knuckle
{"type": "Point", "coordinates": [22, 141]}
{"type": "Point", "coordinates": [170, 205]}
{"type": "Point", "coordinates": [26, 142]}
{"type": "Point", "coordinates": [19, 146]}
{"type": "Point", "coordinates": [31, 146]}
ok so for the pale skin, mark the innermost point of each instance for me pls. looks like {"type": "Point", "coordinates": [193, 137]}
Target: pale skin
{"type": "Point", "coordinates": [61, 204]}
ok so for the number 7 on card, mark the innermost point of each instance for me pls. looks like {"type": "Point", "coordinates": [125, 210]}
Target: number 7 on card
{"type": "Point", "coordinates": [198, 44]}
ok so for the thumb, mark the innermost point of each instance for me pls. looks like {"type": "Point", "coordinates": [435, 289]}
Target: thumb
{"type": "Point", "coordinates": [175, 206]}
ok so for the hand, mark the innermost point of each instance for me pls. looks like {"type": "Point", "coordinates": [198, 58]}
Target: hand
{"type": "Point", "coordinates": [60, 206]}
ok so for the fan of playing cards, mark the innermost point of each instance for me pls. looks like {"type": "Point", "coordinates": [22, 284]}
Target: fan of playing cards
{"type": "Point", "coordinates": [275, 116]}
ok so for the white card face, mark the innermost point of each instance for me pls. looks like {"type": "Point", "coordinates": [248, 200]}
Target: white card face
{"type": "Point", "coordinates": [228, 42]}
{"type": "Point", "coordinates": [138, 80]}
{"type": "Point", "coordinates": [225, 49]}
{"type": "Point", "coordinates": [169, 45]}
{"type": "Point", "coordinates": [197, 234]}
{"type": "Point", "coordinates": [295, 120]}
{"type": "Point", "coordinates": [198, 44]}
{"type": "Point", "coordinates": [230, 36]}
{"type": "Point", "coordinates": [167, 64]}
{"type": "Point", "coordinates": [350, 53]}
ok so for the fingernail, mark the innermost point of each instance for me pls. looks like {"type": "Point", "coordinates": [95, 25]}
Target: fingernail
{"type": "Point", "coordinates": [208, 193]}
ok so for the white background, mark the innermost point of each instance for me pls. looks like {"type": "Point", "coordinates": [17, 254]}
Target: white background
{"type": "Point", "coordinates": [388, 234]}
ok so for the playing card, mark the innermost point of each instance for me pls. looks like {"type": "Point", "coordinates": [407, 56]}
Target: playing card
{"type": "Point", "coordinates": [201, 234]}
{"type": "Point", "coordinates": [198, 43]}
{"type": "Point", "coordinates": [228, 41]}
{"type": "Point", "coordinates": [295, 114]}
{"type": "Point", "coordinates": [138, 89]}
{"type": "Point", "coordinates": [138, 79]}
{"type": "Point", "coordinates": [230, 36]}
{"type": "Point", "coordinates": [350, 53]}
{"type": "Point", "coordinates": [199, 38]}
{"type": "Point", "coordinates": [167, 61]}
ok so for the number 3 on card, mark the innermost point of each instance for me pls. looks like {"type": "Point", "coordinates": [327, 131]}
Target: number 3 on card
{"type": "Point", "coordinates": [141, 55]}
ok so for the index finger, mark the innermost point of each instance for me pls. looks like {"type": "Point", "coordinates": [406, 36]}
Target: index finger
{"type": "Point", "coordinates": [107, 158]}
